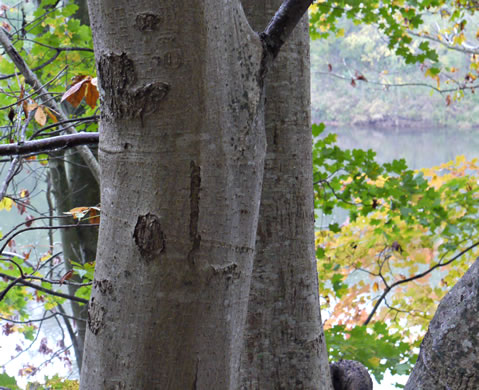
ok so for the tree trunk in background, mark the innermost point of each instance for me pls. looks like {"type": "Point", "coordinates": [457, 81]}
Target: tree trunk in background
{"type": "Point", "coordinates": [82, 12]}
{"type": "Point", "coordinates": [74, 186]}
{"type": "Point", "coordinates": [181, 149]}
{"type": "Point", "coordinates": [448, 359]}
{"type": "Point", "coordinates": [284, 341]}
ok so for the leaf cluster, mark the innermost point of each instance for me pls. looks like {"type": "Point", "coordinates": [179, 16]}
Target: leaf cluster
{"type": "Point", "coordinates": [410, 236]}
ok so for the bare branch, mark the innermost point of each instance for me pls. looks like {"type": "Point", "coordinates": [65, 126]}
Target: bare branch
{"type": "Point", "coordinates": [418, 276]}
{"type": "Point", "coordinates": [77, 225]}
{"type": "Point", "coordinates": [39, 288]}
{"type": "Point", "coordinates": [460, 87]}
{"type": "Point", "coordinates": [60, 49]}
{"type": "Point", "coordinates": [449, 46]}
{"type": "Point", "coordinates": [283, 23]}
{"type": "Point", "coordinates": [16, 163]}
{"type": "Point", "coordinates": [48, 144]}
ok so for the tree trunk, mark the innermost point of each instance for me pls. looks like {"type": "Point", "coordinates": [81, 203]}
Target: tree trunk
{"type": "Point", "coordinates": [284, 341]}
{"type": "Point", "coordinates": [448, 359]}
{"type": "Point", "coordinates": [181, 149]}
{"type": "Point", "coordinates": [74, 186]}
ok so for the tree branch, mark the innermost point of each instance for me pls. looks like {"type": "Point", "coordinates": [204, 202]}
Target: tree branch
{"type": "Point", "coordinates": [283, 23]}
{"type": "Point", "coordinates": [447, 45]}
{"type": "Point", "coordinates": [47, 144]}
{"type": "Point", "coordinates": [39, 288]}
{"type": "Point", "coordinates": [418, 276]}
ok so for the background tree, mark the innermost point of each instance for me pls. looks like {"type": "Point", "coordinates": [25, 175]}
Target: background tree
{"type": "Point", "coordinates": [284, 345]}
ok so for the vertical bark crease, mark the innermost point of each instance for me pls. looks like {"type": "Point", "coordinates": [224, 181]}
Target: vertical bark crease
{"type": "Point", "coordinates": [195, 187]}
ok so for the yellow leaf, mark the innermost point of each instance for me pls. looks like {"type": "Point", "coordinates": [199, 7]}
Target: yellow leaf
{"type": "Point", "coordinates": [40, 116]}
{"type": "Point", "coordinates": [374, 361]}
{"type": "Point", "coordinates": [375, 286]}
{"type": "Point", "coordinates": [340, 33]}
{"type": "Point", "coordinates": [459, 39]}
{"type": "Point", "coordinates": [6, 203]}
{"type": "Point", "coordinates": [460, 159]}
{"type": "Point", "coordinates": [45, 257]}
{"type": "Point", "coordinates": [29, 107]}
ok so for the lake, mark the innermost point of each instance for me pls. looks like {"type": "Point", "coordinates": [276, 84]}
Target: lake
{"type": "Point", "coordinates": [421, 148]}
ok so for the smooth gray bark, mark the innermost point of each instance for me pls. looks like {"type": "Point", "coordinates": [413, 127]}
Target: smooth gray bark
{"type": "Point", "coordinates": [449, 354]}
{"type": "Point", "coordinates": [181, 149]}
{"type": "Point", "coordinates": [284, 341]}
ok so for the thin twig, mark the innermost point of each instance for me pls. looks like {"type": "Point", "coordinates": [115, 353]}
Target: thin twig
{"type": "Point", "coordinates": [43, 289]}
{"type": "Point", "coordinates": [418, 276]}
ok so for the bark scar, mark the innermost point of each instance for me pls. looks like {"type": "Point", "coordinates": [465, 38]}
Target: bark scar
{"type": "Point", "coordinates": [96, 314]}
{"type": "Point", "coordinates": [103, 285]}
{"type": "Point", "coordinates": [195, 186]}
{"type": "Point", "coordinates": [147, 21]}
{"type": "Point", "coordinates": [125, 99]}
{"type": "Point", "coordinates": [149, 236]}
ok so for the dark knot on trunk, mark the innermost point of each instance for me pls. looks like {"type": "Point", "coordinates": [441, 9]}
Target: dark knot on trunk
{"type": "Point", "coordinates": [350, 375]}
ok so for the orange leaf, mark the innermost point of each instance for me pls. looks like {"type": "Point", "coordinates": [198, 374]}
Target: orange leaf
{"type": "Point", "coordinates": [92, 95]}
{"type": "Point", "coordinates": [67, 276]}
{"type": "Point", "coordinates": [76, 93]}
{"type": "Point", "coordinates": [50, 114]}
{"type": "Point", "coordinates": [78, 212]}
{"type": "Point", "coordinates": [94, 216]}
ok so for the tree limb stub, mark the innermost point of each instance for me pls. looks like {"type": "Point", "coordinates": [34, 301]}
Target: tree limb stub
{"type": "Point", "coordinates": [48, 144]}
{"type": "Point", "coordinates": [283, 23]}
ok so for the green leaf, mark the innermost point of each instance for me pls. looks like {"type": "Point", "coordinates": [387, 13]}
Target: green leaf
{"type": "Point", "coordinates": [318, 129]}
{"type": "Point", "coordinates": [8, 381]}
{"type": "Point", "coordinates": [334, 227]}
